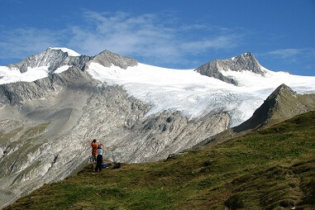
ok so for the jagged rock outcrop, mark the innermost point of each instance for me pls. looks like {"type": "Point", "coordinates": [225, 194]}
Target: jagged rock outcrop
{"type": "Point", "coordinates": [244, 62]}
{"type": "Point", "coordinates": [53, 58]}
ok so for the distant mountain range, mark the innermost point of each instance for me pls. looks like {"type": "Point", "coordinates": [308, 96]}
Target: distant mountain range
{"type": "Point", "coordinates": [54, 103]}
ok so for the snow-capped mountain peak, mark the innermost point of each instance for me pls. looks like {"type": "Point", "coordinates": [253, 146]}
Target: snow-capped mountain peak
{"type": "Point", "coordinates": [57, 60]}
{"type": "Point", "coordinates": [243, 62]}
{"type": "Point", "coordinates": [51, 58]}
{"type": "Point", "coordinates": [66, 50]}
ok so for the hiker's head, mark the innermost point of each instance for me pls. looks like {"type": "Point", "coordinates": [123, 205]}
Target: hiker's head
{"type": "Point", "coordinates": [94, 140]}
{"type": "Point", "coordinates": [99, 147]}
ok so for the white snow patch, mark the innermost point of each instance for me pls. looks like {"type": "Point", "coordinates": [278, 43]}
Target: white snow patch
{"type": "Point", "coordinates": [62, 69]}
{"type": "Point", "coordinates": [69, 51]}
{"type": "Point", "coordinates": [10, 75]}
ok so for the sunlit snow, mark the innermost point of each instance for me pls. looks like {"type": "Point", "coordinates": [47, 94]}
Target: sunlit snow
{"type": "Point", "coordinates": [62, 69]}
{"type": "Point", "coordinates": [183, 90]}
{"type": "Point", "coordinates": [195, 94]}
{"type": "Point", "coordinates": [10, 75]}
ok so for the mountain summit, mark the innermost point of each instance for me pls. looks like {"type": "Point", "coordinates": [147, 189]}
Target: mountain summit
{"type": "Point", "coordinates": [53, 58]}
{"type": "Point", "coordinates": [243, 62]}
{"type": "Point", "coordinates": [107, 58]}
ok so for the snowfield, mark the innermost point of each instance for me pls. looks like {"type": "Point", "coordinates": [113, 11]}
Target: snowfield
{"type": "Point", "coordinates": [11, 75]}
{"type": "Point", "coordinates": [194, 94]}
{"type": "Point", "coordinates": [186, 91]}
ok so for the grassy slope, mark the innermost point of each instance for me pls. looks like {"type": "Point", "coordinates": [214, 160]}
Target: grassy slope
{"type": "Point", "coordinates": [269, 168]}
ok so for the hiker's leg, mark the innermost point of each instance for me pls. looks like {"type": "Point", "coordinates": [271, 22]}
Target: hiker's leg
{"type": "Point", "coordinates": [99, 162]}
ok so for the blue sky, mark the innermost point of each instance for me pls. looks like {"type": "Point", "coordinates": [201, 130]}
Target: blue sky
{"type": "Point", "coordinates": [168, 33]}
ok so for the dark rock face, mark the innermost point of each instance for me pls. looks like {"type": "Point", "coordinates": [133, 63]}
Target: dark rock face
{"type": "Point", "coordinates": [244, 62]}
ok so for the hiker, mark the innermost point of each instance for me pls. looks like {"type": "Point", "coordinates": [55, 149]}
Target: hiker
{"type": "Point", "coordinates": [99, 159]}
{"type": "Point", "coordinates": [94, 146]}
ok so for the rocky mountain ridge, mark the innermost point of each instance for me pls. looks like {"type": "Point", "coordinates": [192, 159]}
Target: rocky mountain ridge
{"type": "Point", "coordinates": [243, 62]}
{"type": "Point", "coordinates": [46, 125]}
{"type": "Point", "coordinates": [282, 104]}
{"type": "Point", "coordinates": [54, 58]}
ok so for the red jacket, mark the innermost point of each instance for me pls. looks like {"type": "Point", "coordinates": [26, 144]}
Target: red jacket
{"type": "Point", "coordinates": [94, 146]}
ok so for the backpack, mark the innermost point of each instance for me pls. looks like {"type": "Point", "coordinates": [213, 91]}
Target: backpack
{"type": "Point", "coordinates": [105, 165]}
{"type": "Point", "coordinates": [117, 165]}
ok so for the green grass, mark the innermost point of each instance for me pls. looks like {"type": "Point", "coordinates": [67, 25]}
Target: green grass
{"type": "Point", "coordinates": [271, 168]}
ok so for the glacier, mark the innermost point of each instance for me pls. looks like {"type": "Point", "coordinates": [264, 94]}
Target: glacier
{"type": "Point", "coordinates": [183, 90]}
{"type": "Point", "coordinates": [193, 94]}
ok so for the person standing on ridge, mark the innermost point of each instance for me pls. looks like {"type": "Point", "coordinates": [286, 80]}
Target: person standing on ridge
{"type": "Point", "coordinates": [94, 146]}
{"type": "Point", "coordinates": [99, 162]}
